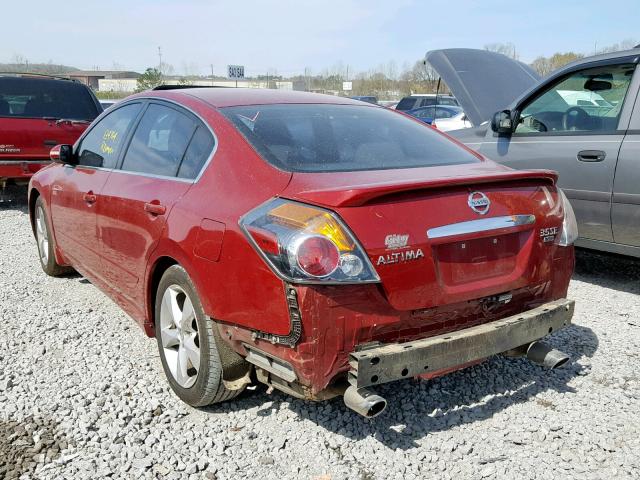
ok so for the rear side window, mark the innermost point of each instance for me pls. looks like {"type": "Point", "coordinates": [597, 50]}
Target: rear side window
{"type": "Point", "coordinates": [334, 138]}
{"type": "Point", "coordinates": [447, 101]}
{"type": "Point", "coordinates": [425, 112]}
{"type": "Point", "coordinates": [159, 142]}
{"type": "Point", "coordinates": [102, 145]}
{"type": "Point", "coordinates": [407, 103]}
{"type": "Point", "coordinates": [198, 152]}
{"type": "Point", "coordinates": [22, 97]}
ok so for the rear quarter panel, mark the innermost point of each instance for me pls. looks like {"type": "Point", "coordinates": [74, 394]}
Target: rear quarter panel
{"type": "Point", "coordinates": [236, 287]}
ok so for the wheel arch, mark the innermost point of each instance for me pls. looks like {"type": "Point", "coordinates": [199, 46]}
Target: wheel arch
{"type": "Point", "coordinates": [161, 265]}
{"type": "Point", "coordinates": [34, 193]}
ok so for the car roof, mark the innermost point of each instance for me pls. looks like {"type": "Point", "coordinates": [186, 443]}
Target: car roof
{"type": "Point", "coordinates": [233, 97]}
{"type": "Point", "coordinates": [40, 76]}
{"type": "Point", "coordinates": [599, 58]}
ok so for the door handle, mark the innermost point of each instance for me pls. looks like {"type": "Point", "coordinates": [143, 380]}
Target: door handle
{"type": "Point", "coordinates": [90, 198]}
{"type": "Point", "coordinates": [155, 208]}
{"type": "Point", "coordinates": [591, 155]}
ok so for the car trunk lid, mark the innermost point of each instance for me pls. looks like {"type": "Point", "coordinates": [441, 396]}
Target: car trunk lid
{"type": "Point", "coordinates": [442, 235]}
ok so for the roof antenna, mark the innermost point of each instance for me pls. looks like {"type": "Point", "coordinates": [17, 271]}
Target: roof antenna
{"type": "Point", "coordinates": [438, 90]}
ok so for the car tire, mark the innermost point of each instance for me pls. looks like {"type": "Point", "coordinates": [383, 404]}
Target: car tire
{"type": "Point", "coordinates": [44, 241]}
{"type": "Point", "coordinates": [197, 386]}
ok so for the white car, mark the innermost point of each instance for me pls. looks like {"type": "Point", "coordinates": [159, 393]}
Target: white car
{"type": "Point", "coordinates": [453, 123]}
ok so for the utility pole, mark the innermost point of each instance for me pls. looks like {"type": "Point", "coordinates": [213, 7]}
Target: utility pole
{"type": "Point", "coordinates": [160, 58]}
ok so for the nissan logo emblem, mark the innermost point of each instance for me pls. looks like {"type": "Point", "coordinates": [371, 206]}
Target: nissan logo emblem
{"type": "Point", "coordinates": [479, 202]}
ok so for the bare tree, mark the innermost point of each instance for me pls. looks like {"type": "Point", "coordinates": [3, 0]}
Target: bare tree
{"type": "Point", "coordinates": [545, 65]}
{"type": "Point", "coordinates": [508, 49]}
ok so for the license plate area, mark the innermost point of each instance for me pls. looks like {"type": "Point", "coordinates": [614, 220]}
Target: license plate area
{"type": "Point", "coordinates": [466, 261]}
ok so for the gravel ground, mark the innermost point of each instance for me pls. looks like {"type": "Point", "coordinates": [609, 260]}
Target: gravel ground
{"type": "Point", "coordinates": [82, 395]}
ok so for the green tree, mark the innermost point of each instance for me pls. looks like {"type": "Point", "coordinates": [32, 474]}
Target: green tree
{"type": "Point", "coordinates": [151, 78]}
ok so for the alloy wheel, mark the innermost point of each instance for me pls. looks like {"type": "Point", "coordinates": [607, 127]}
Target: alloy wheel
{"type": "Point", "coordinates": [179, 334]}
{"type": "Point", "coordinates": [42, 236]}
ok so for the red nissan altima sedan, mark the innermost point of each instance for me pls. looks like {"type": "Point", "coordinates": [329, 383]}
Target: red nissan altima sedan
{"type": "Point", "coordinates": [316, 244]}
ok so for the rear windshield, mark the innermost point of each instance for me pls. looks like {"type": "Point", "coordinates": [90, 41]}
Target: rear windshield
{"type": "Point", "coordinates": [38, 97]}
{"type": "Point", "coordinates": [334, 138]}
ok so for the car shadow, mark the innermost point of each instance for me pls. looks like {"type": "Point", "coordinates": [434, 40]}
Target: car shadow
{"type": "Point", "coordinates": [13, 197]}
{"type": "Point", "coordinates": [608, 270]}
{"type": "Point", "coordinates": [417, 408]}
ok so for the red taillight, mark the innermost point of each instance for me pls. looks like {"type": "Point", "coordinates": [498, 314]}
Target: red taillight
{"type": "Point", "coordinates": [307, 244]}
{"type": "Point", "coordinates": [317, 256]}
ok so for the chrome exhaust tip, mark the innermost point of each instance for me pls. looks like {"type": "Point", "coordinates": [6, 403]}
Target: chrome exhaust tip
{"type": "Point", "coordinates": [364, 402]}
{"type": "Point", "coordinates": [542, 354]}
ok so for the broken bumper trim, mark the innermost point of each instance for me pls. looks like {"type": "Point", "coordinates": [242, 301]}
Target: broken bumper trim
{"type": "Point", "coordinates": [386, 363]}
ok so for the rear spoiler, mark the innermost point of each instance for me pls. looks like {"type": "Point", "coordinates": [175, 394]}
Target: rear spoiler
{"type": "Point", "coordinates": [359, 195]}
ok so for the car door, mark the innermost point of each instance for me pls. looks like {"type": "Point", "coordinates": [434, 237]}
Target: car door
{"type": "Point", "coordinates": [75, 193]}
{"type": "Point", "coordinates": [159, 166]}
{"type": "Point", "coordinates": [625, 208]}
{"type": "Point", "coordinates": [575, 125]}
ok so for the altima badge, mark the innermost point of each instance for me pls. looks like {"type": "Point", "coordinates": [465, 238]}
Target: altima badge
{"type": "Point", "coordinates": [479, 202]}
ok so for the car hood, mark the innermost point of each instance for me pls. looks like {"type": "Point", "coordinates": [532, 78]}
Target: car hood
{"type": "Point", "coordinates": [483, 82]}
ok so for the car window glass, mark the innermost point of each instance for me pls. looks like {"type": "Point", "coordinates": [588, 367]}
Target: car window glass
{"type": "Point", "coordinates": [39, 97]}
{"type": "Point", "coordinates": [333, 138]}
{"type": "Point", "coordinates": [159, 142]}
{"type": "Point", "coordinates": [407, 103]}
{"type": "Point", "coordinates": [428, 101]}
{"type": "Point", "coordinates": [425, 112]}
{"type": "Point", "coordinates": [443, 113]}
{"type": "Point", "coordinates": [447, 101]}
{"type": "Point", "coordinates": [197, 153]}
{"type": "Point", "coordinates": [101, 146]}
{"type": "Point", "coordinates": [586, 101]}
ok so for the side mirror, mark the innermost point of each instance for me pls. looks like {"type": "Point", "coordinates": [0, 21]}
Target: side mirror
{"type": "Point", "coordinates": [501, 123]}
{"type": "Point", "coordinates": [62, 154]}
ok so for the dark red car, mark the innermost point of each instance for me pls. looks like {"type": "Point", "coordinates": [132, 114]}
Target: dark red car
{"type": "Point", "coordinates": [321, 244]}
{"type": "Point", "coordinates": [38, 112]}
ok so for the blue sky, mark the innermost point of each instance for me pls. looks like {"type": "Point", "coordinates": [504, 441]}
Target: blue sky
{"type": "Point", "coordinates": [289, 35]}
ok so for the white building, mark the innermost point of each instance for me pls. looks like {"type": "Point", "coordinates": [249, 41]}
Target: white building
{"type": "Point", "coordinates": [129, 85]}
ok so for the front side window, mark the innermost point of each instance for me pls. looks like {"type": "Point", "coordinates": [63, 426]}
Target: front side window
{"type": "Point", "coordinates": [334, 138]}
{"type": "Point", "coordinates": [586, 101]}
{"type": "Point", "coordinates": [159, 142]}
{"type": "Point", "coordinates": [102, 145]}
{"type": "Point", "coordinates": [23, 97]}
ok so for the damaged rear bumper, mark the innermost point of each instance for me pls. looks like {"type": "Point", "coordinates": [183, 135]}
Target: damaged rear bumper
{"type": "Point", "coordinates": [377, 364]}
